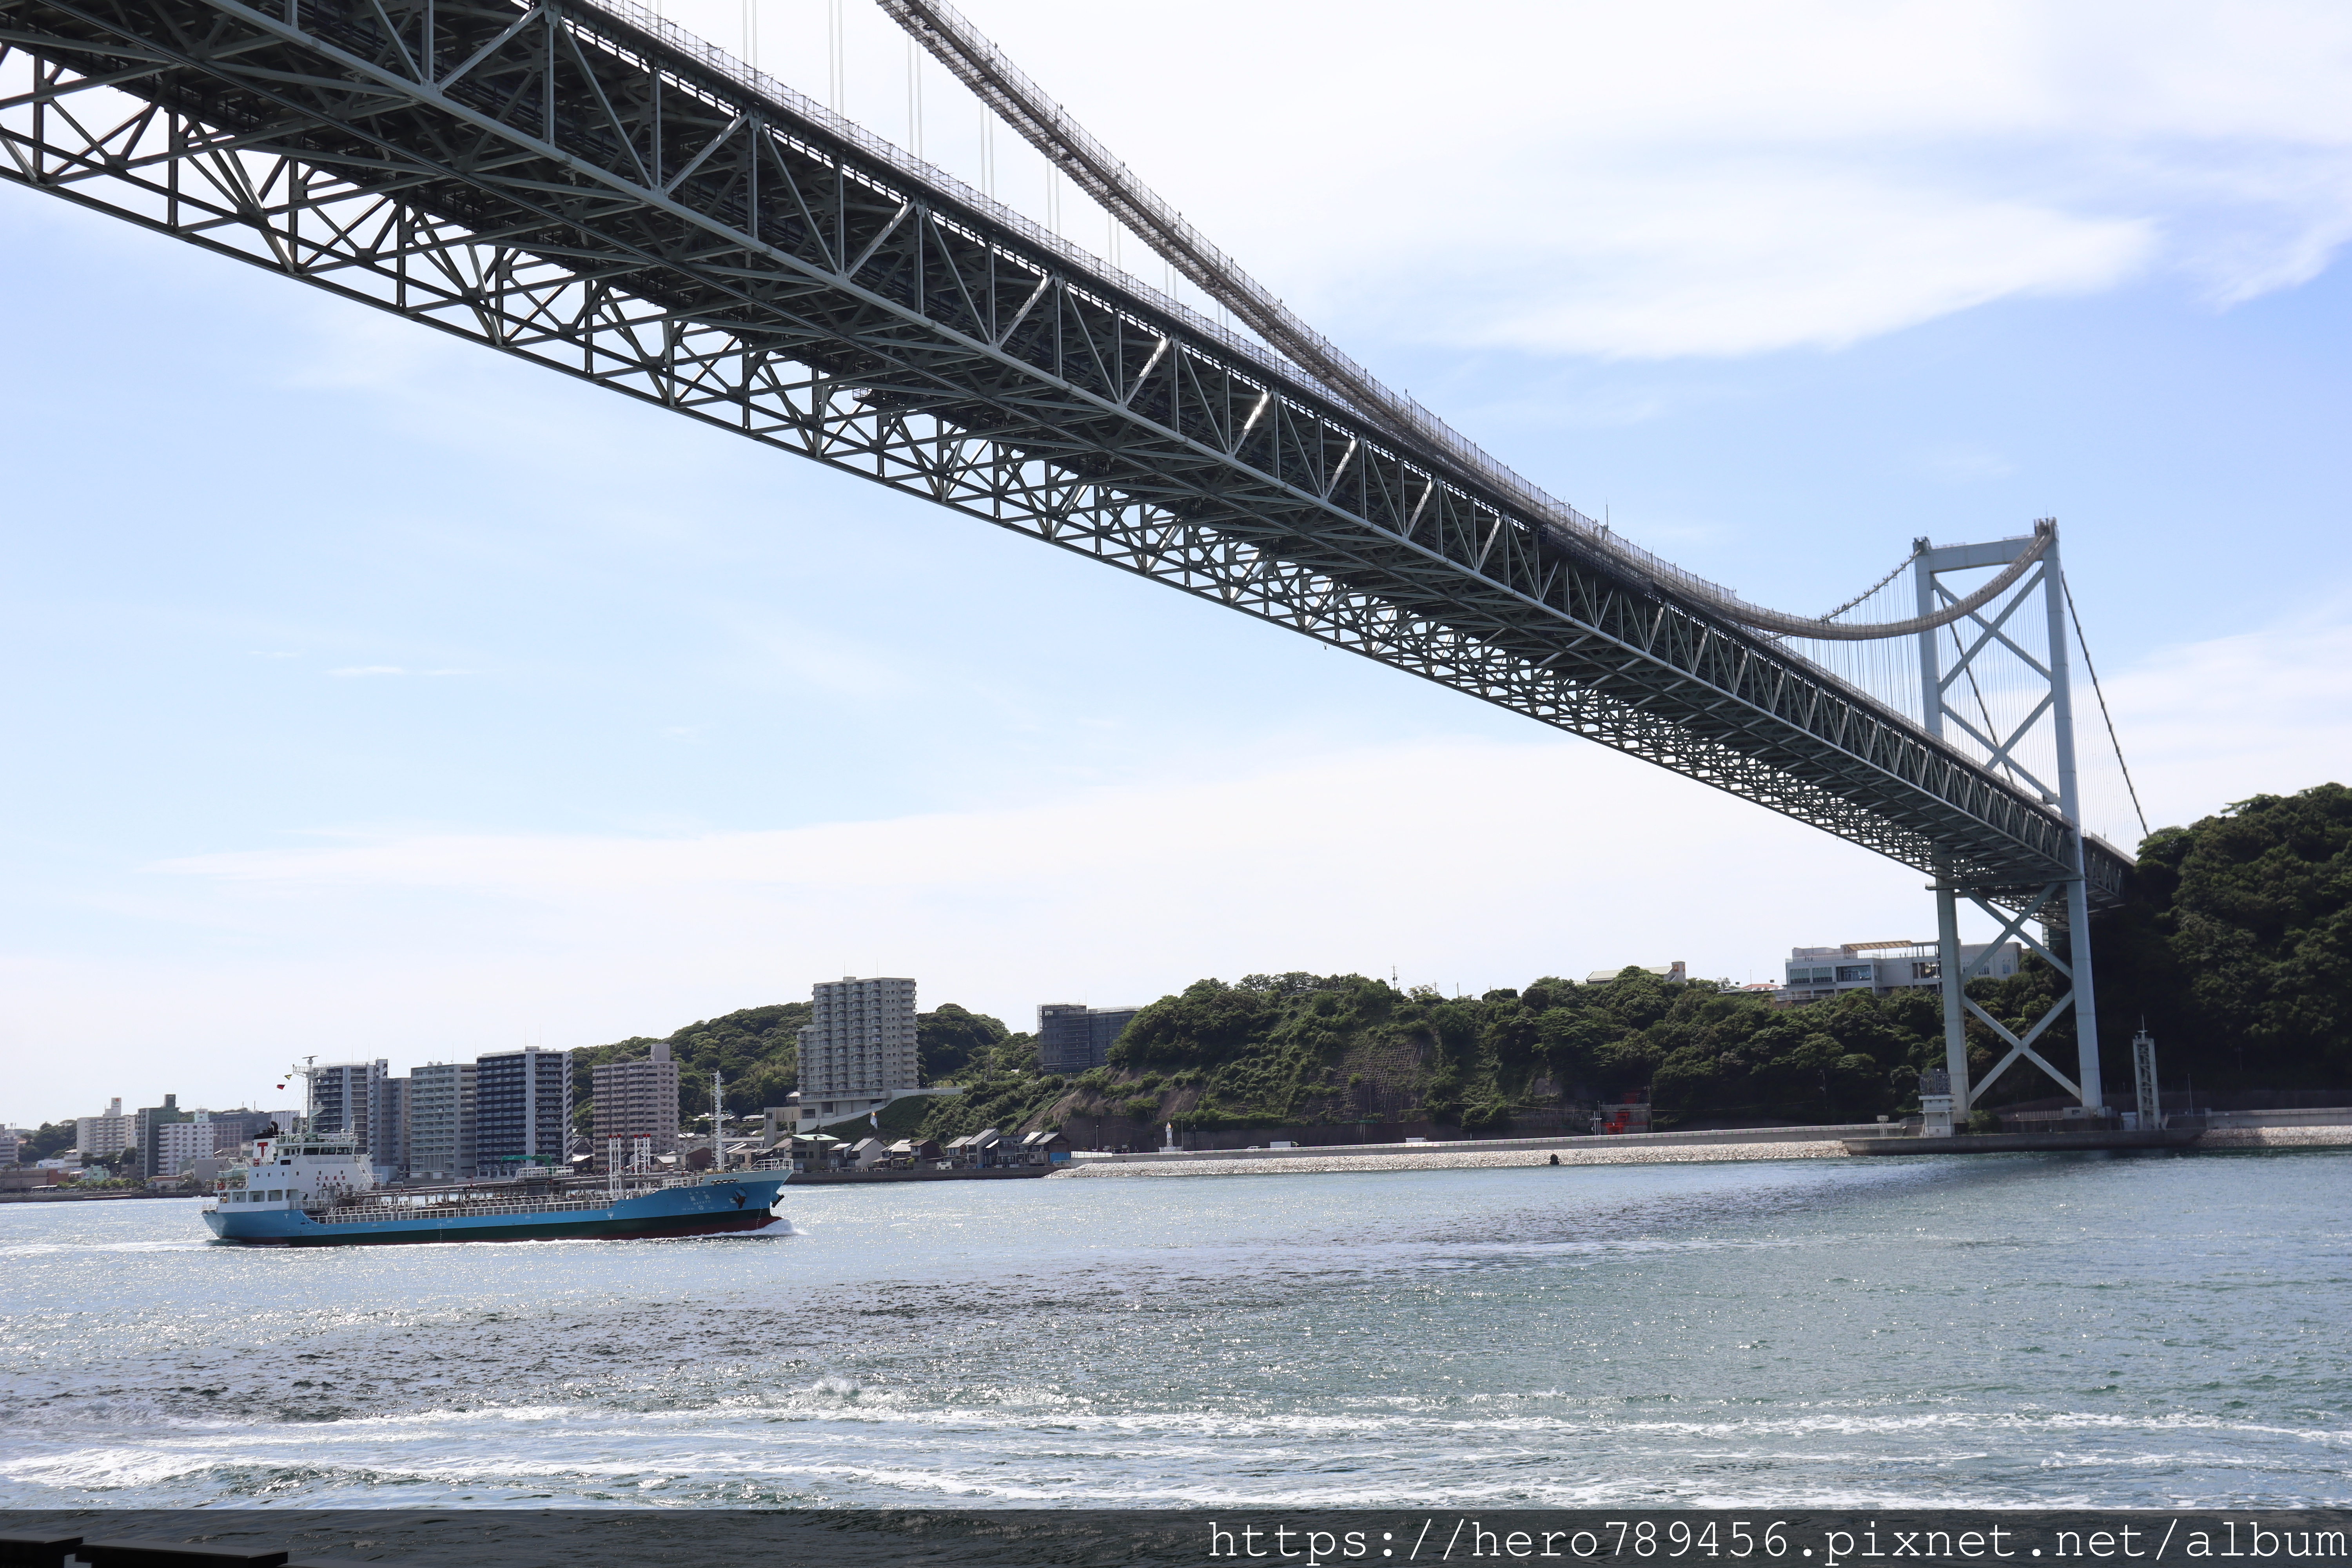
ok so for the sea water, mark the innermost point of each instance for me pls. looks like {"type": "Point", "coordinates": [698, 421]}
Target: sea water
{"type": "Point", "coordinates": [1960, 1330]}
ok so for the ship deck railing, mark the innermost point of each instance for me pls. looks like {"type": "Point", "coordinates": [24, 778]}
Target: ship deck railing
{"type": "Point", "coordinates": [379, 1212]}
{"type": "Point", "coordinates": [381, 1209]}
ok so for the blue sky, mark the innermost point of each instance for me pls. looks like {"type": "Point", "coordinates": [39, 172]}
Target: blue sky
{"type": "Point", "coordinates": [371, 695]}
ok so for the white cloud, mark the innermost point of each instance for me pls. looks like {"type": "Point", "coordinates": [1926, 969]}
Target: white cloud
{"type": "Point", "coordinates": [1693, 176]}
{"type": "Point", "coordinates": [1730, 259]}
{"type": "Point", "coordinates": [351, 670]}
{"type": "Point", "coordinates": [1464, 863]}
{"type": "Point", "coordinates": [2264, 712]}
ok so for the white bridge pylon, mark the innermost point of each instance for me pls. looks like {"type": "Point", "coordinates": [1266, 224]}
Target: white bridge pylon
{"type": "Point", "coordinates": [1948, 659]}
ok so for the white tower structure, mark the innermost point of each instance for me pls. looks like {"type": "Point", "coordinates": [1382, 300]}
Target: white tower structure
{"type": "Point", "coordinates": [857, 1051]}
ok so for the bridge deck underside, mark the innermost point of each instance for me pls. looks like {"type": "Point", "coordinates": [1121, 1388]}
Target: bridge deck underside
{"type": "Point", "coordinates": [571, 186]}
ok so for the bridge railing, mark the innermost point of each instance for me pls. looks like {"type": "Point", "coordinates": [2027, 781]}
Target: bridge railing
{"type": "Point", "coordinates": [1459, 452]}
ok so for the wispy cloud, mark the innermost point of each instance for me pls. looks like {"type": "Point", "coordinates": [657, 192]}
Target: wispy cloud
{"type": "Point", "coordinates": [1418, 856]}
{"type": "Point", "coordinates": [1713, 177]}
{"type": "Point", "coordinates": [361, 669]}
{"type": "Point", "coordinates": [2264, 711]}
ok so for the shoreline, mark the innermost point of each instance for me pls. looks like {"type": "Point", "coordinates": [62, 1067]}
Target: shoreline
{"type": "Point", "coordinates": [1307, 1164]}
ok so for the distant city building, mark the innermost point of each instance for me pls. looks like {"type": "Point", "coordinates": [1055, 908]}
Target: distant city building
{"type": "Point", "coordinates": [1677, 971]}
{"type": "Point", "coordinates": [441, 1112]}
{"type": "Point", "coordinates": [147, 1129]}
{"type": "Point", "coordinates": [1071, 1038]}
{"type": "Point", "coordinates": [179, 1143]}
{"type": "Point", "coordinates": [232, 1127]}
{"type": "Point", "coordinates": [523, 1109]}
{"type": "Point", "coordinates": [638, 1099]}
{"type": "Point", "coordinates": [389, 1141]}
{"type": "Point", "coordinates": [857, 1052]}
{"type": "Point", "coordinates": [102, 1137]}
{"type": "Point", "coordinates": [348, 1097]}
{"type": "Point", "coordinates": [1882, 968]}
{"type": "Point", "coordinates": [12, 1145]}
{"type": "Point", "coordinates": [205, 1134]}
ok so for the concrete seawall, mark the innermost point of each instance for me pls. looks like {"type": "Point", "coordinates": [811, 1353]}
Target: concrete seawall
{"type": "Point", "coordinates": [1460, 1157]}
{"type": "Point", "coordinates": [1646, 1149]}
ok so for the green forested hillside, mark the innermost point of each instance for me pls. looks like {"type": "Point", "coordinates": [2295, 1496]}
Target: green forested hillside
{"type": "Point", "coordinates": [756, 1052]}
{"type": "Point", "coordinates": [1303, 1049]}
{"type": "Point", "coordinates": [2236, 945]}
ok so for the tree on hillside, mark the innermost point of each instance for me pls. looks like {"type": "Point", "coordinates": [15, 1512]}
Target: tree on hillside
{"type": "Point", "coordinates": [2235, 943]}
{"type": "Point", "coordinates": [952, 1039]}
{"type": "Point", "coordinates": [48, 1140]}
{"type": "Point", "coordinates": [756, 1051]}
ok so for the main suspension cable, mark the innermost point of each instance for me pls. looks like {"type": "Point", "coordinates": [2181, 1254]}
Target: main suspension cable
{"type": "Point", "coordinates": [2083, 643]}
{"type": "Point", "coordinates": [1916, 549]}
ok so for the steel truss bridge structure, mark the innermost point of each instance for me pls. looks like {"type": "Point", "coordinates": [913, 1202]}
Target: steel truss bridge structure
{"type": "Point", "coordinates": [577, 183]}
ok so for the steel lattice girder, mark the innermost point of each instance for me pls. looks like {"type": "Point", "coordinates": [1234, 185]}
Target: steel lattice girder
{"type": "Point", "coordinates": [571, 186]}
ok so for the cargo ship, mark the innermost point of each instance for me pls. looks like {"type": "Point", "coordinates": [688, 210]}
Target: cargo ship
{"type": "Point", "coordinates": [320, 1192]}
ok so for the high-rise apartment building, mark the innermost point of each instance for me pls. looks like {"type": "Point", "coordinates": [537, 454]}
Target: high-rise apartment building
{"type": "Point", "coordinates": [389, 1142]}
{"type": "Point", "coordinates": [147, 1127]}
{"type": "Point", "coordinates": [858, 1050]}
{"type": "Point", "coordinates": [98, 1137]}
{"type": "Point", "coordinates": [638, 1099]}
{"type": "Point", "coordinates": [523, 1109]}
{"type": "Point", "coordinates": [1072, 1038]}
{"type": "Point", "coordinates": [348, 1097]}
{"type": "Point", "coordinates": [441, 1112]}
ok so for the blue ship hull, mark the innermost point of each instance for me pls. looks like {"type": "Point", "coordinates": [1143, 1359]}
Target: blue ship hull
{"type": "Point", "coordinates": [742, 1202]}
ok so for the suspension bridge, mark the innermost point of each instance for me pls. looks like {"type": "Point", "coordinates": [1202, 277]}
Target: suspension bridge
{"type": "Point", "coordinates": [582, 184]}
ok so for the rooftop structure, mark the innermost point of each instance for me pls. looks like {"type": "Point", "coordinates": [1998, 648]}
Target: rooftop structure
{"type": "Point", "coordinates": [1677, 972]}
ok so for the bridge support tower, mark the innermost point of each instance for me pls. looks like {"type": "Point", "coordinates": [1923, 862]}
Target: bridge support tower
{"type": "Point", "coordinates": [1946, 657]}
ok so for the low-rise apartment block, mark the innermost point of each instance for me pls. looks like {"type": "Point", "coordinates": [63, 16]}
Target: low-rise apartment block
{"type": "Point", "coordinates": [1884, 968]}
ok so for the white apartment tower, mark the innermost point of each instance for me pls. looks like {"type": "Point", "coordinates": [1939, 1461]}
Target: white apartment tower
{"type": "Point", "coordinates": [179, 1143]}
{"type": "Point", "coordinates": [98, 1137]}
{"type": "Point", "coordinates": [441, 1121]}
{"type": "Point", "coordinates": [858, 1050]}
